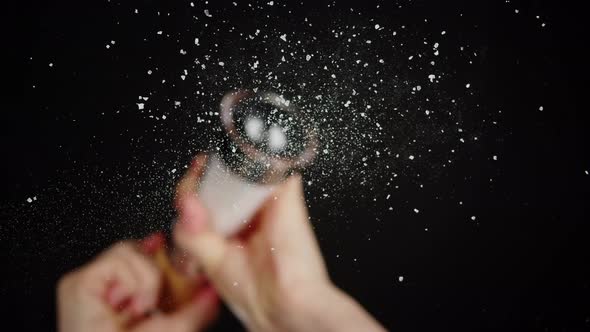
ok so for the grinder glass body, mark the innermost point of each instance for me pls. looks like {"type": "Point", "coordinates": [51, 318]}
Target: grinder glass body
{"type": "Point", "coordinates": [265, 138]}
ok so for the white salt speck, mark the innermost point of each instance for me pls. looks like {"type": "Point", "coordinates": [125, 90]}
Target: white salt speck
{"type": "Point", "coordinates": [418, 88]}
{"type": "Point", "coordinates": [400, 278]}
{"type": "Point", "coordinates": [51, 64]}
{"type": "Point", "coordinates": [586, 171]}
{"type": "Point", "coordinates": [30, 200]}
{"type": "Point", "coordinates": [206, 11]}
{"type": "Point", "coordinates": [416, 211]}
{"type": "Point", "coordinates": [431, 77]}
{"type": "Point", "coordinates": [411, 157]}
{"type": "Point", "coordinates": [271, 3]}
{"type": "Point", "coordinates": [427, 112]}
{"type": "Point", "coordinates": [159, 32]}
{"type": "Point", "coordinates": [368, 41]}
{"type": "Point", "coordinates": [149, 72]}
{"type": "Point", "coordinates": [197, 41]}
{"type": "Point", "coordinates": [541, 108]}
{"type": "Point", "coordinates": [140, 106]}
{"type": "Point", "coordinates": [347, 103]}
{"type": "Point", "coordinates": [467, 85]}
{"type": "Point", "coordinates": [163, 117]}
{"type": "Point", "coordinates": [443, 33]}
{"type": "Point", "coordinates": [176, 103]}
{"type": "Point", "coordinates": [377, 26]}
{"type": "Point", "coordinates": [473, 218]}
{"type": "Point", "coordinates": [173, 170]}
{"type": "Point", "coordinates": [221, 63]}
{"type": "Point", "coordinates": [495, 157]}
{"type": "Point", "coordinates": [516, 11]}
{"type": "Point", "coordinates": [284, 37]}
{"type": "Point", "coordinates": [308, 57]}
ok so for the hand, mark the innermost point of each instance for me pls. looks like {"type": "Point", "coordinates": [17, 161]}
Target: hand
{"type": "Point", "coordinates": [119, 291]}
{"type": "Point", "coordinates": [272, 275]}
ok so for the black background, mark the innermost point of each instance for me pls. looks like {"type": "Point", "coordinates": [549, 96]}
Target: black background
{"type": "Point", "coordinates": [521, 266]}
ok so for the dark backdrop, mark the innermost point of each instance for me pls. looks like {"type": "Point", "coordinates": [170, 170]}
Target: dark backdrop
{"type": "Point", "coordinates": [98, 169]}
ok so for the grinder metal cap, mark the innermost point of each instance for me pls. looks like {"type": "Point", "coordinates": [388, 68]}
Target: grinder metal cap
{"type": "Point", "coordinates": [266, 137]}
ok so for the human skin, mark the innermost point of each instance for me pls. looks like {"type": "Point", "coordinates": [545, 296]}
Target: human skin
{"type": "Point", "coordinates": [272, 276]}
{"type": "Point", "coordinates": [119, 291]}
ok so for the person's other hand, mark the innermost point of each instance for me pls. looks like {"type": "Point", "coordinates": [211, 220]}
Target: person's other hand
{"type": "Point", "coordinates": [119, 291]}
{"type": "Point", "coordinates": [272, 275]}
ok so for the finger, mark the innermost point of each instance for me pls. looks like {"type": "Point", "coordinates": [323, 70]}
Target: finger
{"type": "Point", "coordinates": [195, 316]}
{"type": "Point", "coordinates": [224, 262]}
{"type": "Point", "coordinates": [191, 212]}
{"type": "Point", "coordinates": [285, 226]}
{"type": "Point", "coordinates": [147, 276]}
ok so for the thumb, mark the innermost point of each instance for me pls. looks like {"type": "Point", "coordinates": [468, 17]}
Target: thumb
{"type": "Point", "coordinates": [223, 261]}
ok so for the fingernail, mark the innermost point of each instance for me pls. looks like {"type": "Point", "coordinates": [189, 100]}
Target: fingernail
{"type": "Point", "coordinates": [152, 243]}
{"type": "Point", "coordinates": [206, 295]}
{"type": "Point", "coordinates": [115, 295]}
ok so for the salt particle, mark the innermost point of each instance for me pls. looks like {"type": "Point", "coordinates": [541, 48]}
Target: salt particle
{"type": "Point", "coordinates": [197, 41]}
{"type": "Point", "coordinates": [400, 278]}
{"type": "Point", "coordinates": [221, 63]}
{"type": "Point", "coordinates": [411, 157]}
{"type": "Point", "coordinates": [206, 11]}
{"type": "Point", "coordinates": [467, 85]}
{"type": "Point", "coordinates": [284, 37]}
{"type": "Point", "coordinates": [443, 33]}
{"type": "Point", "coordinates": [163, 117]}
{"type": "Point", "coordinates": [30, 200]}
{"type": "Point", "coordinates": [495, 157]}
{"type": "Point", "coordinates": [173, 170]}
{"type": "Point", "coordinates": [416, 211]}
{"type": "Point", "coordinates": [308, 57]}
{"type": "Point", "coordinates": [377, 26]}
{"type": "Point", "coordinates": [473, 218]}
{"type": "Point", "coordinates": [541, 108]}
{"type": "Point", "coordinates": [140, 106]}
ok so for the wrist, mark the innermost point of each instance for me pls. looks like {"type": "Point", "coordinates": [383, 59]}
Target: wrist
{"type": "Point", "coordinates": [327, 308]}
